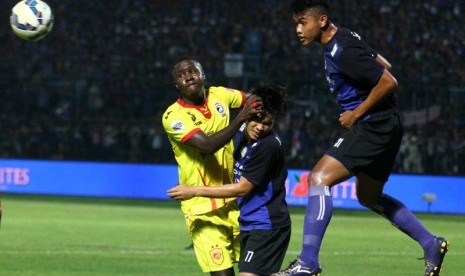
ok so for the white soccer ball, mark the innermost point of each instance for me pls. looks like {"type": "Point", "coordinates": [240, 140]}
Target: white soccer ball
{"type": "Point", "coordinates": [31, 19]}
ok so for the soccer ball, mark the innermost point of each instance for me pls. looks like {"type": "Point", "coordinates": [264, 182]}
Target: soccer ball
{"type": "Point", "coordinates": [31, 19]}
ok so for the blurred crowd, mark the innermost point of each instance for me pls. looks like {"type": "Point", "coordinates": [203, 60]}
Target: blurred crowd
{"type": "Point", "coordinates": [95, 88]}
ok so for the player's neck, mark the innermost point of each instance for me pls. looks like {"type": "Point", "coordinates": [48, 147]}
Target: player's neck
{"type": "Point", "coordinates": [198, 99]}
{"type": "Point", "coordinates": [328, 34]}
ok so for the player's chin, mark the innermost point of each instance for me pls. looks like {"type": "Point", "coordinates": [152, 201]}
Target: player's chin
{"type": "Point", "coordinates": [305, 42]}
{"type": "Point", "coordinates": [254, 136]}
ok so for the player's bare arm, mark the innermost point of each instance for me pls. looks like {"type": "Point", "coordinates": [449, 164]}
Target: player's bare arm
{"type": "Point", "coordinates": [385, 85]}
{"type": "Point", "coordinates": [383, 61]}
{"type": "Point", "coordinates": [183, 192]}
{"type": "Point", "coordinates": [210, 144]}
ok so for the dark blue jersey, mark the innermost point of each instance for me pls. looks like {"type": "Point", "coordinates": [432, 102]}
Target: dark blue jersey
{"type": "Point", "coordinates": [262, 163]}
{"type": "Point", "coordinates": [352, 71]}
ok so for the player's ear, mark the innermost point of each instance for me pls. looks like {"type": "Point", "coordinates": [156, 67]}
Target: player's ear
{"type": "Point", "coordinates": [323, 21]}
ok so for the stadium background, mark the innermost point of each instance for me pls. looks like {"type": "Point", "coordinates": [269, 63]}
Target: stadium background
{"type": "Point", "coordinates": [95, 88]}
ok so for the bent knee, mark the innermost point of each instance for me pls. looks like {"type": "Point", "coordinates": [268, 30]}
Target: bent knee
{"type": "Point", "coordinates": [368, 200]}
{"type": "Point", "coordinates": [312, 180]}
{"type": "Point", "coordinates": [318, 178]}
{"type": "Point", "coordinates": [368, 203]}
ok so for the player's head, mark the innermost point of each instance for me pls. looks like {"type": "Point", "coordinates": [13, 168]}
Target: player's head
{"type": "Point", "coordinates": [274, 104]}
{"type": "Point", "coordinates": [188, 78]}
{"type": "Point", "coordinates": [311, 19]}
{"type": "Point", "coordinates": [183, 63]}
{"type": "Point", "coordinates": [302, 6]}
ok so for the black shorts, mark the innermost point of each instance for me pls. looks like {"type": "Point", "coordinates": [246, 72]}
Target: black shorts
{"type": "Point", "coordinates": [263, 251]}
{"type": "Point", "coordinates": [369, 146]}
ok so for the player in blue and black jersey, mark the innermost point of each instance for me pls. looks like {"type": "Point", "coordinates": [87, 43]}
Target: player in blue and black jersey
{"type": "Point", "coordinates": [360, 80]}
{"type": "Point", "coordinates": [259, 175]}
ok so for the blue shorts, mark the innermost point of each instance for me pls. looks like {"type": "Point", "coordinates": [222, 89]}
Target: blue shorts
{"type": "Point", "coordinates": [369, 147]}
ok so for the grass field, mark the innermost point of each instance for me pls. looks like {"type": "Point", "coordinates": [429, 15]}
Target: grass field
{"type": "Point", "coordinates": [43, 235]}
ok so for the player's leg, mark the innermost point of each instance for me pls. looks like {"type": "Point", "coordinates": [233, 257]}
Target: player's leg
{"type": "Point", "coordinates": [382, 141]}
{"type": "Point", "coordinates": [326, 173]}
{"type": "Point", "coordinates": [384, 146]}
{"type": "Point", "coordinates": [226, 272]}
{"type": "Point", "coordinates": [0, 212]}
{"type": "Point", "coordinates": [369, 193]}
{"type": "Point", "coordinates": [230, 218]}
{"type": "Point", "coordinates": [214, 234]}
{"type": "Point", "coordinates": [210, 249]}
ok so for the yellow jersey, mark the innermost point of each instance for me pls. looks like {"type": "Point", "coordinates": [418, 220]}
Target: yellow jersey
{"type": "Point", "coordinates": [181, 121]}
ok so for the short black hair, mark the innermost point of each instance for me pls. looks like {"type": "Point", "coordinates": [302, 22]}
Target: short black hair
{"type": "Point", "coordinates": [188, 59]}
{"type": "Point", "coordinates": [274, 98]}
{"type": "Point", "coordinates": [300, 6]}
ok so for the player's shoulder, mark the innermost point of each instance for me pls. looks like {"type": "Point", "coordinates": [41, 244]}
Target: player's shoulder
{"type": "Point", "coordinates": [172, 111]}
{"type": "Point", "coordinates": [348, 36]}
{"type": "Point", "coordinates": [271, 142]}
{"type": "Point", "coordinates": [222, 89]}
{"type": "Point", "coordinates": [353, 44]}
{"type": "Point", "coordinates": [274, 139]}
{"type": "Point", "coordinates": [224, 94]}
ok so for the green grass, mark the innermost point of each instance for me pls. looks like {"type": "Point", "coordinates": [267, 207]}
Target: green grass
{"type": "Point", "coordinates": [43, 235]}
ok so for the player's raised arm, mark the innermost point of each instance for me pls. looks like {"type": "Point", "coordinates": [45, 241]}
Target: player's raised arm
{"type": "Point", "coordinates": [209, 144]}
{"type": "Point", "coordinates": [386, 84]}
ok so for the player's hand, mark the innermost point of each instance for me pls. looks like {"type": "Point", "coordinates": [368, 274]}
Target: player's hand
{"type": "Point", "coordinates": [253, 106]}
{"type": "Point", "coordinates": [181, 192]}
{"type": "Point", "coordinates": [347, 119]}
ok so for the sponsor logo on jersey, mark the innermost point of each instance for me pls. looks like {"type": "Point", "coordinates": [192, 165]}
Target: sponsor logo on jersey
{"type": "Point", "coordinates": [334, 50]}
{"type": "Point", "coordinates": [356, 35]}
{"type": "Point", "coordinates": [177, 125]}
{"type": "Point", "coordinates": [205, 111]}
{"type": "Point", "coordinates": [243, 151]}
{"type": "Point", "coordinates": [279, 140]}
{"type": "Point", "coordinates": [338, 142]}
{"type": "Point", "coordinates": [193, 118]}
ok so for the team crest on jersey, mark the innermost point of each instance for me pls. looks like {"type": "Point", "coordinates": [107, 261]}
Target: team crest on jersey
{"type": "Point", "coordinates": [220, 109]}
{"type": "Point", "coordinates": [177, 125]}
{"type": "Point", "coordinates": [217, 255]}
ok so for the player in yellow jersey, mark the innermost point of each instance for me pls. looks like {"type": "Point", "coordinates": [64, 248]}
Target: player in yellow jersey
{"type": "Point", "coordinates": [200, 133]}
